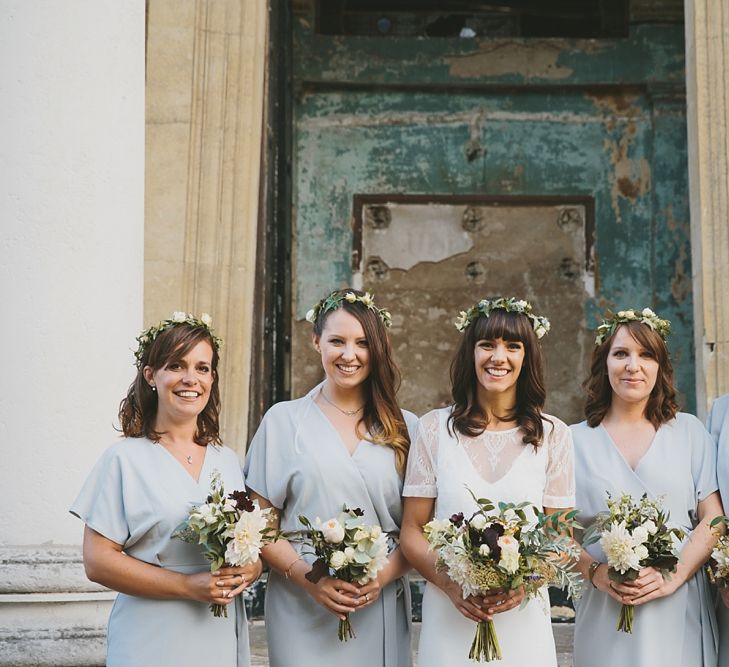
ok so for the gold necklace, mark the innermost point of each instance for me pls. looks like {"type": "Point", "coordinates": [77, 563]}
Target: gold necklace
{"type": "Point", "coordinates": [348, 413]}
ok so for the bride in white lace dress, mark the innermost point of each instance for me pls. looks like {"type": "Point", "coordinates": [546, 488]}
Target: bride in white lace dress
{"type": "Point", "coordinates": [495, 441]}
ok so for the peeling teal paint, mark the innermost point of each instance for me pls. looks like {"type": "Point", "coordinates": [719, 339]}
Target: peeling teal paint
{"type": "Point", "coordinates": [607, 121]}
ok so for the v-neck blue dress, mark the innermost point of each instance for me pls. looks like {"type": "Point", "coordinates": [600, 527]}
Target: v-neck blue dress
{"type": "Point", "coordinates": [136, 495]}
{"type": "Point", "coordinates": [298, 462]}
{"type": "Point", "coordinates": [680, 467]}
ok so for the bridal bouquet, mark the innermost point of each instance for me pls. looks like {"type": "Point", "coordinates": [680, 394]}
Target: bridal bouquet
{"type": "Point", "coordinates": [231, 528]}
{"type": "Point", "coordinates": [633, 536]}
{"type": "Point", "coordinates": [347, 549]}
{"type": "Point", "coordinates": [718, 565]}
{"type": "Point", "coordinates": [504, 550]}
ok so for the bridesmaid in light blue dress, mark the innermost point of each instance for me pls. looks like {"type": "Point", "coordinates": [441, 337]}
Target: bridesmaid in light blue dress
{"type": "Point", "coordinates": [142, 489]}
{"type": "Point", "coordinates": [635, 441]}
{"type": "Point", "coordinates": [344, 443]}
{"type": "Point", "coordinates": [718, 425]}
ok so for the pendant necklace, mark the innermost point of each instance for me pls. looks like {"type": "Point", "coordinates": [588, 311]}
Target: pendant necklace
{"type": "Point", "coordinates": [348, 413]}
{"type": "Point", "coordinates": [189, 459]}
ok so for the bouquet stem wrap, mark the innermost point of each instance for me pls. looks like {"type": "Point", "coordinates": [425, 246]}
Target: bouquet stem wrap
{"type": "Point", "coordinates": [485, 647]}
{"type": "Point", "coordinates": [625, 620]}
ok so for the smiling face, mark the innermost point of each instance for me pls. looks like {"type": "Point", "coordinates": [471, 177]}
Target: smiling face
{"type": "Point", "coordinates": [498, 364]}
{"type": "Point", "coordinates": [183, 384]}
{"type": "Point", "coordinates": [344, 350]}
{"type": "Point", "coordinates": [632, 368]}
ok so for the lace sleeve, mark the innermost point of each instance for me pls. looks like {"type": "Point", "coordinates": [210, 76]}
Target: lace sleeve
{"type": "Point", "coordinates": [559, 490]}
{"type": "Point", "coordinates": [420, 476]}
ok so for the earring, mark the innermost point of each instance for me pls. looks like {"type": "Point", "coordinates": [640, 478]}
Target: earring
{"type": "Point", "coordinates": [153, 387]}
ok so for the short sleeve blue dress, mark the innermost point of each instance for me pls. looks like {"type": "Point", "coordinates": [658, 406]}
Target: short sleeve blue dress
{"type": "Point", "coordinates": [136, 495]}
{"type": "Point", "coordinates": [680, 466]}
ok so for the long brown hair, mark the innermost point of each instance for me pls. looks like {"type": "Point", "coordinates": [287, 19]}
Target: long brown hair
{"type": "Point", "coordinates": [467, 416]}
{"type": "Point", "coordinates": [381, 417]}
{"type": "Point", "coordinates": [138, 410]}
{"type": "Point", "coordinates": [661, 406]}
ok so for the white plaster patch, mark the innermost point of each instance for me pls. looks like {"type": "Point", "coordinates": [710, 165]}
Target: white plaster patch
{"type": "Point", "coordinates": [418, 234]}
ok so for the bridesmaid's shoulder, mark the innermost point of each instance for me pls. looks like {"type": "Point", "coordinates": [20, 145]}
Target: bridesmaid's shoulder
{"type": "Point", "coordinates": [686, 421]}
{"type": "Point", "coordinates": [286, 409]}
{"type": "Point", "coordinates": [435, 415]}
{"type": "Point", "coordinates": [552, 423]}
{"type": "Point", "coordinates": [721, 406]}
{"type": "Point", "coordinates": [581, 430]}
{"type": "Point", "coordinates": [411, 419]}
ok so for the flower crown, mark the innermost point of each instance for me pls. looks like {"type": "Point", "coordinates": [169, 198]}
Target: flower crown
{"type": "Point", "coordinates": [646, 316]}
{"type": "Point", "coordinates": [147, 337]}
{"type": "Point", "coordinates": [510, 305]}
{"type": "Point", "coordinates": [334, 300]}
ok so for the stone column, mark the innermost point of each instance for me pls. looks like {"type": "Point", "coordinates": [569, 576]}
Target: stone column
{"type": "Point", "coordinates": [71, 262]}
{"type": "Point", "coordinates": [707, 86]}
{"type": "Point", "coordinates": [205, 87]}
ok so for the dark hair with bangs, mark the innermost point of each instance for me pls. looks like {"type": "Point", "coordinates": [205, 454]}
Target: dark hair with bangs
{"type": "Point", "coordinates": [661, 406]}
{"type": "Point", "coordinates": [381, 416]}
{"type": "Point", "coordinates": [467, 416]}
{"type": "Point", "coordinates": [138, 410]}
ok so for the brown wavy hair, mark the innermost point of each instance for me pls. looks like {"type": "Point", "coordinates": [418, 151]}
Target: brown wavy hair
{"type": "Point", "coordinates": [381, 417]}
{"type": "Point", "coordinates": [661, 406]}
{"type": "Point", "coordinates": [138, 410]}
{"type": "Point", "coordinates": [467, 416]}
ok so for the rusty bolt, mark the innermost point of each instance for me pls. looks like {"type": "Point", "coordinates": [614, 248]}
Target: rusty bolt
{"type": "Point", "coordinates": [570, 217]}
{"type": "Point", "coordinates": [475, 272]}
{"type": "Point", "coordinates": [473, 219]}
{"type": "Point", "coordinates": [569, 269]}
{"type": "Point", "coordinates": [377, 269]}
{"type": "Point", "coordinates": [378, 217]}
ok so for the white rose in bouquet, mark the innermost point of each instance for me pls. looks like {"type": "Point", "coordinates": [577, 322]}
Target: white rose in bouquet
{"type": "Point", "coordinates": [338, 560]}
{"type": "Point", "coordinates": [333, 531]}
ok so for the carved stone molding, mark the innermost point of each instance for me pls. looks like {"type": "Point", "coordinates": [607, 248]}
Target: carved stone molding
{"type": "Point", "coordinates": [205, 86]}
{"type": "Point", "coordinates": [707, 76]}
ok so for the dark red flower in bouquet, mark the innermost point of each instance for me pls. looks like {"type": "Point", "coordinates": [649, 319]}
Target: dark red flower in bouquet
{"type": "Point", "coordinates": [243, 501]}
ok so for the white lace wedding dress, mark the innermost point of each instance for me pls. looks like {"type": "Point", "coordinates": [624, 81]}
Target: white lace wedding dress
{"type": "Point", "coordinates": [498, 466]}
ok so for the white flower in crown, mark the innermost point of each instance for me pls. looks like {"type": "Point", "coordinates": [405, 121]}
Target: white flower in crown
{"type": "Point", "coordinates": [206, 319]}
{"type": "Point", "coordinates": [179, 316]}
{"type": "Point", "coordinates": [367, 299]}
{"type": "Point", "coordinates": [351, 297]}
{"type": "Point", "coordinates": [647, 312]}
{"type": "Point", "coordinates": [521, 304]}
{"type": "Point", "coordinates": [311, 315]}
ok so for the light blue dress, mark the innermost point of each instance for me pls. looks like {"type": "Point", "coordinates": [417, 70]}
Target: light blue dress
{"type": "Point", "coordinates": [299, 463]}
{"type": "Point", "coordinates": [136, 495]}
{"type": "Point", "coordinates": [718, 425]}
{"type": "Point", "coordinates": [674, 631]}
